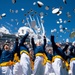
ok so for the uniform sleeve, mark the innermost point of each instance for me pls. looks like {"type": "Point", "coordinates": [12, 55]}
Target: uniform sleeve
{"type": "Point", "coordinates": [53, 43]}
{"type": "Point", "coordinates": [33, 44]}
{"type": "Point", "coordinates": [24, 38]}
{"type": "Point", "coordinates": [0, 52]}
{"type": "Point", "coordinates": [66, 47]}
{"type": "Point", "coordinates": [44, 41]}
{"type": "Point", "coordinates": [71, 49]}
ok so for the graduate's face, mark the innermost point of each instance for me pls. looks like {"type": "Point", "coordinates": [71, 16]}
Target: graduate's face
{"type": "Point", "coordinates": [38, 43]}
{"type": "Point", "coordinates": [50, 51]}
{"type": "Point", "coordinates": [25, 43]}
{"type": "Point", "coordinates": [58, 44]}
{"type": "Point", "coordinates": [6, 47]}
{"type": "Point", "coordinates": [31, 52]}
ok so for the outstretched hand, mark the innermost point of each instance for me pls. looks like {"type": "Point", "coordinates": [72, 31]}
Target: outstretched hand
{"type": "Point", "coordinates": [52, 38]}
{"type": "Point", "coordinates": [16, 39]}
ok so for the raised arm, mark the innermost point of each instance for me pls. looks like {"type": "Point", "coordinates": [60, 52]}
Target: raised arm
{"type": "Point", "coordinates": [24, 38]}
{"type": "Point", "coordinates": [66, 47]}
{"type": "Point", "coordinates": [71, 50]}
{"type": "Point", "coordinates": [44, 41]}
{"type": "Point", "coordinates": [33, 44]}
{"type": "Point", "coordinates": [0, 51]}
{"type": "Point", "coordinates": [53, 42]}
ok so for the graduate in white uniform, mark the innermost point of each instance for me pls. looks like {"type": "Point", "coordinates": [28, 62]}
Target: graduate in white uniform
{"type": "Point", "coordinates": [58, 57]}
{"type": "Point", "coordinates": [17, 68]}
{"type": "Point", "coordinates": [72, 59]}
{"type": "Point", "coordinates": [25, 56]}
{"type": "Point", "coordinates": [48, 67]}
{"type": "Point", "coordinates": [39, 52]}
{"type": "Point", "coordinates": [6, 59]}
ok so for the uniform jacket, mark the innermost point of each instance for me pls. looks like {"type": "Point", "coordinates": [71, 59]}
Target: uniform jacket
{"type": "Point", "coordinates": [6, 56]}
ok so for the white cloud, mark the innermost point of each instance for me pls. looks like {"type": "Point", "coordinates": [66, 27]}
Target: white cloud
{"type": "Point", "coordinates": [4, 30]}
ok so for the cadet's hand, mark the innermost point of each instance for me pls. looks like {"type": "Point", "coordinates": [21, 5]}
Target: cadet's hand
{"type": "Point", "coordinates": [52, 37]}
{"type": "Point", "coordinates": [16, 39]}
{"type": "Point", "coordinates": [44, 36]}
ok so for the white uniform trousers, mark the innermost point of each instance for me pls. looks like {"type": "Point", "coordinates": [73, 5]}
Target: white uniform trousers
{"type": "Point", "coordinates": [38, 67]}
{"type": "Point", "coordinates": [0, 71]}
{"type": "Point", "coordinates": [64, 69]}
{"type": "Point", "coordinates": [48, 69]}
{"type": "Point", "coordinates": [25, 63]}
{"type": "Point", "coordinates": [7, 70]}
{"type": "Point", "coordinates": [72, 67]}
{"type": "Point", "coordinates": [17, 69]}
{"type": "Point", "coordinates": [57, 66]}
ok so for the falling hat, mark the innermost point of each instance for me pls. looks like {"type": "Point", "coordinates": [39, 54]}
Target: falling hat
{"type": "Point", "coordinates": [55, 10]}
{"type": "Point", "coordinates": [47, 8]}
{"type": "Point", "coordinates": [22, 9]}
{"type": "Point", "coordinates": [73, 43]}
{"type": "Point", "coordinates": [34, 3]}
{"type": "Point", "coordinates": [40, 4]}
{"type": "Point", "coordinates": [67, 40]}
{"type": "Point", "coordinates": [65, 2]}
{"type": "Point", "coordinates": [3, 15]}
{"type": "Point", "coordinates": [13, 1]}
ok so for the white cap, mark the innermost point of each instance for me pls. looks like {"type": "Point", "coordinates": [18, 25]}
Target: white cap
{"type": "Point", "coordinates": [40, 3]}
{"type": "Point", "coordinates": [67, 40]}
{"type": "Point", "coordinates": [22, 9]}
{"type": "Point", "coordinates": [60, 26]}
{"type": "Point", "coordinates": [58, 22]}
{"type": "Point", "coordinates": [3, 15]}
{"type": "Point", "coordinates": [55, 30]}
{"type": "Point", "coordinates": [73, 43]}
{"type": "Point", "coordinates": [55, 11]}
{"type": "Point", "coordinates": [34, 3]}
{"type": "Point", "coordinates": [61, 30]}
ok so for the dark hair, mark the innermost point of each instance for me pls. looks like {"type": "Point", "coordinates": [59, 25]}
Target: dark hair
{"type": "Point", "coordinates": [5, 44]}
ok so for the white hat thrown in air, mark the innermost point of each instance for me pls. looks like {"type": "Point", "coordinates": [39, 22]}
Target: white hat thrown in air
{"type": "Point", "coordinates": [73, 43]}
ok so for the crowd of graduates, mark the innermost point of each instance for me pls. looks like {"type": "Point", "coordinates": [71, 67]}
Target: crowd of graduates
{"type": "Point", "coordinates": [37, 60]}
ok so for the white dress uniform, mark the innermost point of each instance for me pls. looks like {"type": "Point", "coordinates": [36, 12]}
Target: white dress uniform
{"type": "Point", "coordinates": [58, 58]}
{"type": "Point", "coordinates": [38, 67]}
{"type": "Point", "coordinates": [25, 57]}
{"type": "Point", "coordinates": [25, 63]}
{"type": "Point", "coordinates": [17, 69]}
{"type": "Point", "coordinates": [49, 69]}
{"type": "Point", "coordinates": [72, 59]}
{"type": "Point", "coordinates": [39, 52]}
{"type": "Point", "coordinates": [6, 60]}
{"type": "Point", "coordinates": [72, 67]}
{"type": "Point", "coordinates": [6, 70]}
{"type": "Point", "coordinates": [57, 66]}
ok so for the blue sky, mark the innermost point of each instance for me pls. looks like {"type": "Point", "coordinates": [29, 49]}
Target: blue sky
{"type": "Point", "coordinates": [49, 20]}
